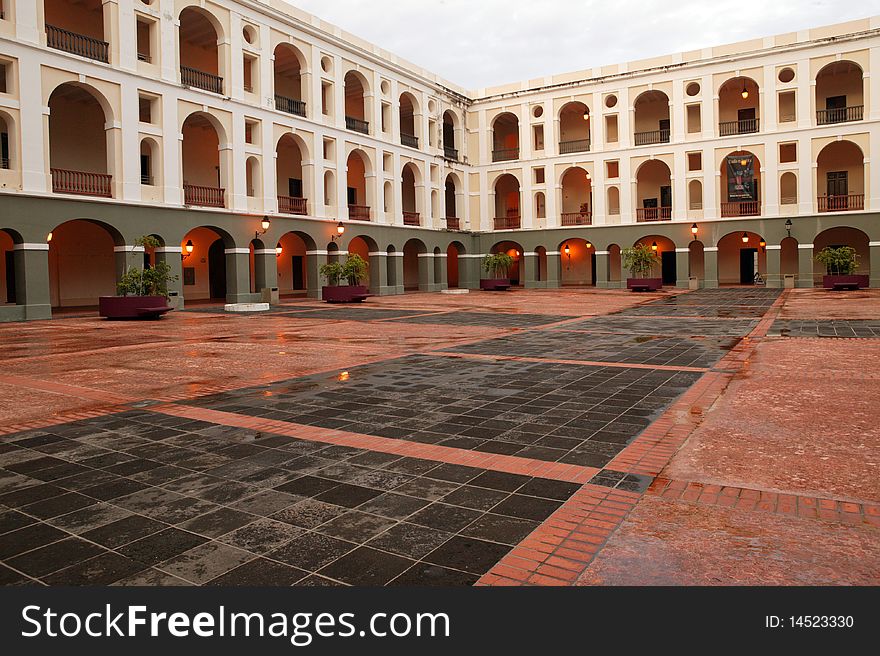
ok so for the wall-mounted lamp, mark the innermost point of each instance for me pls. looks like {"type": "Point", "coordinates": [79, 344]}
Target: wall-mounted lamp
{"type": "Point", "coordinates": [788, 226]}
{"type": "Point", "coordinates": [567, 251]}
{"type": "Point", "coordinates": [279, 249]}
{"type": "Point", "coordinates": [340, 230]}
{"type": "Point", "coordinates": [188, 248]}
{"type": "Point", "coordinates": [763, 245]}
{"type": "Point", "coordinates": [589, 245]}
{"type": "Point", "coordinates": [654, 247]}
{"type": "Point", "coordinates": [48, 237]}
{"type": "Point", "coordinates": [745, 238]}
{"type": "Point", "coordinates": [694, 231]}
{"type": "Point", "coordinates": [264, 224]}
{"type": "Point", "coordinates": [586, 114]}
{"type": "Point", "coordinates": [745, 92]}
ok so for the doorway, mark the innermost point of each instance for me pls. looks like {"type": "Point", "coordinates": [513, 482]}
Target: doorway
{"type": "Point", "coordinates": [667, 267]}
{"type": "Point", "coordinates": [747, 265]}
{"type": "Point", "coordinates": [217, 269]}
{"type": "Point", "coordinates": [10, 277]}
{"type": "Point", "coordinates": [297, 280]}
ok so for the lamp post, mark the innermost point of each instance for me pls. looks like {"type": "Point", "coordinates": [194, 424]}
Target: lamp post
{"type": "Point", "coordinates": [264, 224]}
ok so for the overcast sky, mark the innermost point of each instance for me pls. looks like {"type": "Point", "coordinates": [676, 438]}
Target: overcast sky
{"type": "Point", "coordinates": [478, 43]}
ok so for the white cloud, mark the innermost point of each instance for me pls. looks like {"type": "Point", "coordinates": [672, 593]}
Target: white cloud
{"type": "Point", "coordinates": [477, 43]}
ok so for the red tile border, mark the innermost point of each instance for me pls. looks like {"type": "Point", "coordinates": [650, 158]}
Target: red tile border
{"type": "Point", "coordinates": [65, 389]}
{"type": "Point", "coordinates": [585, 363]}
{"type": "Point", "coordinates": [503, 463]}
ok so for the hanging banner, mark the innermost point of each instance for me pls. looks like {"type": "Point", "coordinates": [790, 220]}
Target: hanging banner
{"type": "Point", "coordinates": [741, 178]}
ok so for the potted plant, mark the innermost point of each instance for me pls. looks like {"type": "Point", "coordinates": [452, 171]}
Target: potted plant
{"type": "Point", "coordinates": [353, 272]}
{"type": "Point", "coordinates": [142, 293]}
{"type": "Point", "coordinates": [497, 267]}
{"type": "Point", "coordinates": [641, 260]}
{"type": "Point", "coordinates": [841, 264]}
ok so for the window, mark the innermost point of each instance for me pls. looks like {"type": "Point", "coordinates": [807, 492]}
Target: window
{"type": "Point", "coordinates": [613, 201]}
{"type": "Point", "coordinates": [146, 109]}
{"type": "Point", "coordinates": [788, 194]}
{"type": "Point", "coordinates": [540, 205]}
{"type": "Point", "coordinates": [251, 132]}
{"type": "Point", "coordinates": [326, 98]}
{"type": "Point", "coordinates": [145, 39]}
{"type": "Point", "coordinates": [539, 175]}
{"type": "Point", "coordinates": [787, 111]}
{"type": "Point", "coordinates": [612, 169]}
{"type": "Point", "coordinates": [4, 146]}
{"type": "Point", "coordinates": [611, 129]}
{"type": "Point", "coordinates": [694, 120]}
{"type": "Point", "coordinates": [538, 131]}
{"type": "Point", "coordinates": [4, 85]}
{"type": "Point", "coordinates": [249, 63]}
{"type": "Point", "coordinates": [146, 169]}
{"type": "Point", "coordinates": [787, 153]}
{"type": "Point", "coordinates": [329, 148]}
{"type": "Point", "coordinates": [386, 114]}
{"type": "Point", "coordinates": [695, 161]}
{"type": "Point", "coordinates": [387, 162]}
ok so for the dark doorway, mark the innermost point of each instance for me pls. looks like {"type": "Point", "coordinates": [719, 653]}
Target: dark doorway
{"type": "Point", "coordinates": [294, 187]}
{"type": "Point", "coordinates": [593, 268]}
{"type": "Point", "coordinates": [10, 277]}
{"type": "Point", "coordinates": [835, 102]}
{"type": "Point", "coordinates": [352, 196]}
{"type": "Point", "coordinates": [838, 183]}
{"type": "Point", "coordinates": [217, 269]}
{"type": "Point", "coordinates": [745, 115]}
{"type": "Point", "coordinates": [667, 268]}
{"type": "Point", "coordinates": [665, 196]}
{"type": "Point", "coordinates": [747, 266]}
{"type": "Point", "coordinates": [297, 267]}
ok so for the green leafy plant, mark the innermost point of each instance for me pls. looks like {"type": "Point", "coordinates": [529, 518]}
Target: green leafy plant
{"type": "Point", "coordinates": [840, 261]}
{"type": "Point", "coordinates": [332, 272]}
{"type": "Point", "coordinates": [355, 269]}
{"type": "Point", "coordinates": [152, 281]}
{"type": "Point", "coordinates": [640, 260]}
{"type": "Point", "coordinates": [497, 265]}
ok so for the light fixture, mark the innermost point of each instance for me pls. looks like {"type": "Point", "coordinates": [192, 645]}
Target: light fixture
{"type": "Point", "coordinates": [340, 230]}
{"type": "Point", "coordinates": [694, 231]}
{"type": "Point", "coordinates": [567, 250]}
{"type": "Point", "coordinates": [189, 247]}
{"type": "Point", "coordinates": [763, 245]}
{"type": "Point", "coordinates": [745, 238]}
{"type": "Point", "coordinates": [743, 162]}
{"type": "Point", "coordinates": [517, 253]}
{"type": "Point", "coordinates": [654, 247]}
{"type": "Point", "coordinates": [48, 237]}
{"type": "Point", "coordinates": [788, 226]}
{"type": "Point", "coordinates": [587, 114]}
{"type": "Point", "coordinates": [264, 224]}
{"type": "Point", "coordinates": [279, 249]}
{"type": "Point", "coordinates": [589, 245]}
{"type": "Point", "coordinates": [745, 92]}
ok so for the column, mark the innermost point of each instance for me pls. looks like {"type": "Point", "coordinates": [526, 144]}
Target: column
{"type": "Point", "coordinates": [314, 261]}
{"type": "Point", "coordinates": [469, 270]}
{"type": "Point", "coordinates": [530, 271]}
{"type": "Point", "coordinates": [128, 257]}
{"type": "Point", "coordinates": [426, 272]}
{"type": "Point", "coordinates": [266, 274]}
{"type": "Point", "coordinates": [398, 272]}
{"type": "Point", "coordinates": [32, 280]}
{"type": "Point", "coordinates": [441, 280]}
{"type": "Point", "coordinates": [238, 276]}
{"type": "Point", "coordinates": [379, 274]}
{"type": "Point", "coordinates": [682, 266]}
{"type": "Point", "coordinates": [710, 260]}
{"type": "Point", "coordinates": [774, 265]}
{"type": "Point", "coordinates": [170, 255]}
{"type": "Point", "coordinates": [553, 264]}
{"type": "Point", "coordinates": [602, 270]}
{"type": "Point", "coordinates": [874, 252]}
{"type": "Point", "coordinates": [805, 265]}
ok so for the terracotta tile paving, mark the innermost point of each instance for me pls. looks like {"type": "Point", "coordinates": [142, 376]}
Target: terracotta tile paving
{"type": "Point", "coordinates": [170, 493]}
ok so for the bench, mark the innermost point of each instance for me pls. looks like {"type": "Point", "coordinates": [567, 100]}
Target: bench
{"type": "Point", "coordinates": [153, 312]}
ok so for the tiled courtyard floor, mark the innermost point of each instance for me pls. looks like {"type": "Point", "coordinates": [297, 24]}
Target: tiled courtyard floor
{"type": "Point", "coordinates": [529, 437]}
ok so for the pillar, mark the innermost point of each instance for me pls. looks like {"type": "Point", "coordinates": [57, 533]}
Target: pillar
{"type": "Point", "coordinates": [682, 266]}
{"type": "Point", "coordinates": [314, 261]}
{"type": "Point", "coordinates": [805, 265]}
{"type": "Point", "coordinates": [170, 255]}
{"type": "Point", "coordinates": [710, 264]}
{"type": "Point", "coordinates": [441, 280]}
{"type": "Point", "coordinates": [553, 265]}
{"type": "Point", "coordinates": [398, 272]}
{"type": "Point", "coordinates": [469, 271]}
{"type": "Point", "coordinates": [379, 274]}
{"type": "Point", "coordinates": [602, 270]}
{"type": "Point", "coordinates": [265, 270]}
{"type": "Point", "coordinates": [32, 298]}
{"type": "Point", "coordinates": [426, 272]}
{"type": "Point", "coordinates": [238, 276]}
{"type": "Point", "coordinates": [530, 271]}
{"type": "Point", "coordinates": [874, 254]}
{"type": "Point", "coordinates": [773, 277]}
{"type": "Point", "coordinates": [128, 257]}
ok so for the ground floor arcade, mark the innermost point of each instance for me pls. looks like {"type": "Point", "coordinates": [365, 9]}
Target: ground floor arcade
{"type": "Point", "coordinates": [66, 254]}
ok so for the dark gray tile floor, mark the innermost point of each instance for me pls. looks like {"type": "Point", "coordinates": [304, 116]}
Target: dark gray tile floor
{"type": "Point", "coordinates": [487, 319]}
{"type": "Point", "coordinates": [832, 328]}
{"type": "Point", "coordinates": [683, 327]}
{"type": "Point", "coordinates": [254, 509]}
{"type": "Point", "coordinates": [575, 414]}
{"type": "Point", "coordinates": [349, 313]}
{"type": "Point", "coordinates": [735, 302]}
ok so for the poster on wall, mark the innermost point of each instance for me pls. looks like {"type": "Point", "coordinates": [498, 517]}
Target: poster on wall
{"type": "Point", "coordinates": [189, 276]}
{"type": "Point", "coordinates": [741, 178]}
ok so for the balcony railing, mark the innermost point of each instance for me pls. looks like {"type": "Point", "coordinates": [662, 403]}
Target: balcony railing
{"type": "Point", "coordinates": [409, 140]}
{"type": "Point", "coordinates": [193, 77]}
{"type": "Point", "coordinates": [505, 154]}
{"type": "Point", "coordinates": [292, 205]}
{"type": "Point", "coordinates": [507, 222]}
{"type": "Point", "coordinates": [746, 126]}
{"type": "Point", "coordinates": [144, 57]}
{"type": "Point", "coordinates": [146, 179]}
{"type": "Point", "coordinates": [4, 163]}
{"type": "Point", "coordinates": [411, 218]}
{"type": "Point", "coordinates": [453, 223]}
{"type": "Point", "coordinates": [77, 44]}
{"type": "Point", "coordinates": [741, 208]}
{"type": "Point", "coordinates": [357, 125]}
{"type": "Point", "coordinates": [576, 146]}
{"type": "Point", "coordinates": [290, 106]}
{"type": "Point", "coordinates": [647, 214]}
{"type": "Point", "coordinates": [81, 183]}
{"type": "Point", "coordinates": [847, 203]}
{"type": "Point", "coordinates": [652, 137]}
{"type": "Point", "coordinates": [577, 218]}
{"type": "Point", "coordinates": [450, 153]}
{"type": "Point", "coordinates": [203, 196]}
{"type": "Point", "coordinates": [840, 115]}
{"type": "Point", "coordinates": [359, 212]}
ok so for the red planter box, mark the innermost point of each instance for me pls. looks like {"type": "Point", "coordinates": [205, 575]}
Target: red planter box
{"type": "Point", "coordinates": [857, 281]}
{"type": "Point", "coordinates": [644, 284]}
{"type": "Point", "coordinates": [345, 294]}
{"type": "Point", "coordinates": [495, 284]}
{"type": "Point", "coordinates": [133, 307]}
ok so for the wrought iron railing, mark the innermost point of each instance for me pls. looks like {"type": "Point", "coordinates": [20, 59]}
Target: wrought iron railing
{"type": "Point", "coordinates": [203, 196]}
{"type": "Point", "coordinates": [577, 218]}
{"type": "Point", "coordinates": [453, 223]}
{"type": "Point", "coordinates": [411, 218]}
{"type": "Point", "coordinates": [359, 212]}
{"type": "Point", "coordinates": [575, 146]}
{"type": "Point", "coordinates": [357, 125]}
{"type": "Point", "coordinates": [505, 154]}
{"type": "Point", "coordinates": [741, 208]}
{"type": "Point", "coordinates": [507, 222]}
{"type": "Point", "coordinates": [646, 214]}
{"type": "Point", "coordinates": [450, 153]}
{"type": "Point", "coordinates": [409, 140]}
{"type": "Point", "coordinates": [4, 163]}
{"type": "Point", "coordinates": [193, 77]}
{"type": "Point", "coordinates": [840, 115]}
{"type": "Point", "coordinates": [292, 205]}
{"type": "Point", "coordinates": [81, 183]}
{"type": "Point", "coordinates": [78, 44]}
{"type": "Point", "coordinates": [850, 202]}
{"type": "Point", "coordinates": [745, 126]}
{"type": "Point", "coordinates": [290, 106]}
{"type": "Point", "coordinates": [651, 137]}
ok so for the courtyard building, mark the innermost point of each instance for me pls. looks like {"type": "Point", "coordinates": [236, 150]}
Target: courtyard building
{"type": "Point", "coordinates": [192, 121]}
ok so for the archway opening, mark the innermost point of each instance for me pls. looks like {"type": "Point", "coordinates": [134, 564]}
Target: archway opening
{"type": "Point", "coordinates": [507, 203]}
{"type": "Point", "coordinates": [408, 196]}
{"type": "Point", "coordinates": [615, 266]}
{"type": "Point", "coordinates": [204, 265]}
{"type": "Point", "coordinates": [452, 219]}
{"type": "Point", "coordinates": [83, 264]}
{"type": "Point", "coordinates": [696, 260]}
{"type": "Point", "coordinates": [411, 251]}
{"type": "Point", "coordinates": [292, 264]}
{"type": "Point", "coordinates": [356, 177]}
{"type": "Point", "coordinates": [199, 50]}
{"type": "Point", "coordinates": [289, 176]}
{"type": "Point", "coordinates": [840, 93]}
{"type": "Point", "coordinates": [505, 138]}
{"type": "Point", "coordinates": [453, 252]}
{"type": "Point", "coordinates": [574, 128]}
{"type": "Point", "coordinates": [355, 103]}
{"type": "Point", "coordinates": [741, 258]}
{"type": "Point", "coordinates": [578, 262]}
{"type": "Point", "coordinates": [10, 285]}
{"type": "Point", "coordinates": [408, 126]}
{"type": "Point", "coordinates": [289, 66]}
{"type": "Point", "coordinates": [76, 27]}
{"type": "Point", "coordinates": [450, 146]}
{"type": "Point", "coordinates": [840, 177]}
{"type": "Point", "coordinates": [842, 236]}
{"type": "Point", "coordinates": [738, 108]}
{"type": "Point", "coordinates": [653, 191]}
{"type": "Point", "coordinates": [666, 267]}
{"type": "Point", "coordinates": [741, 184]}
{"type": "Point", "coordinates": [651, 118]}
{"type": "Point", "coordinates": [515, 251]}
{"type": "Point", "coordinates": [577, 197]}
{"type": "Point", "coordinates": [202, 171]}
